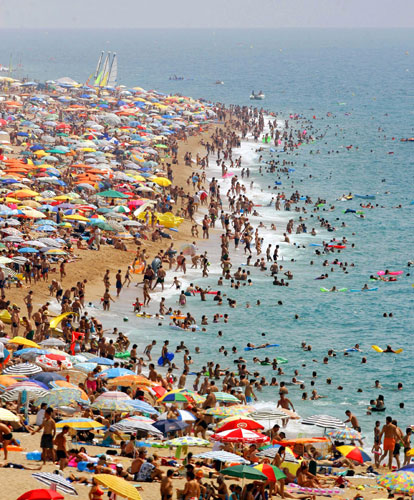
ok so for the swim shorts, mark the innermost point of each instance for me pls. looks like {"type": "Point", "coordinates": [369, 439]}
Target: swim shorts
{"type": "Point", "coordinates": [389, 444]}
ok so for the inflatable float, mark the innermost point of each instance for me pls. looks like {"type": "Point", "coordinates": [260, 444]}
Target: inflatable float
{"type": "Point", "coordinates": [378, 349]}
{"type": "Point", "coordinates": [389, 273]}
{"type": "Point", "coordinates": [169, 357]}
{"type": "Point", "coordinates": [254, 348]}
{"type": "Point", "coordinates": [190, 329]}
{"type": "Point", "coordinates": [322, 289]}
{"type": "Point", "coordinates": [327, 492]}
{"type": "Point", "coordinates": [364, 290]}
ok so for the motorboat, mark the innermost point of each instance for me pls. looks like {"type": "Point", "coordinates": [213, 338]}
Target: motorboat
{"type": "Point", "coordinates": [257, 97]}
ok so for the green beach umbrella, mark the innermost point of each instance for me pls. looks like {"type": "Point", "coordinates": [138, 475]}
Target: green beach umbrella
{"type": "Point", "coordinates": [245, 472]}
{"type": "Point", "coordinates": [111, 193]}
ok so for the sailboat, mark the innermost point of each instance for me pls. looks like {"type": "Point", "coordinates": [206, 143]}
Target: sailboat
{"type": "Point", "coordinates": [106, 73]}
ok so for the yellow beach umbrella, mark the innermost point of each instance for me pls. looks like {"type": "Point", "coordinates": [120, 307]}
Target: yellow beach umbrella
{"type": "Point", "coordinates": [161, 181]}
{"type": "Point", "coordinates": [63, 197]}
{"type": "Point", "coordinates": [77, 217]}
{"type": "Point", "coordinates": [23, 341]}
{"type": "Point", "coordinates": [25, 193]}
{"type": "Point", "coordinates": [118, 485]}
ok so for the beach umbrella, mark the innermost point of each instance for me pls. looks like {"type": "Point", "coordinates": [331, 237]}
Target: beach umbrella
{"type": "Point", "coordinates": [222, 456]}
{"type": "Point", "coordinates": [166, 426]}
{"type": "Point", "coordinates": [8, 416]}
{"type": "Point", "coordinates": [53, 361]}
{"type": "Point", "coordinates": [55, 480]}
{"type": "Point", "coordinates": [354, 453]}
{"type": "Point", "coordinates": [79, 424]}
{"type": "Point", "coordinates": [112, 405]}
{"type": "Point", "coordinates": [228, 411]}
{"type": "Point", "coordinates": [114, 395]}
{"type": "Point", "coordinates": [118, 485]}
{"type": "Point", "coordinates": [22, 369]}
{"type": "Point", "coordinates": [245, 472]}
{"type": "Point", "coordinates": [346, 434]}
{"type": "Point", "coordinates": [173, 396]}
{"type": "Point", "coordinates": [133, 427]}
{"type": "Point", "coordinates": [32, 390]}
{"type": "Point", "coordinates": [60, 397]}
{"type": "Point", "coordinates": [74, 376]}
{"type": "Point", "coordinates": [113, 373]}
{"type": "Point", "coordinates": [161, 181]}
{"type": "Point", "coordinates": [239, 423]}
{"type": "Point", "coordinates": [85, 367]}
{"type": "Point", "coordinates": [48, 377]}
{"type": "Point", "coordinates": [184, 415]}
{"type": "Point", "coordinates": [187, 441]}
{"type": "Point", "coordinates": [52, 342]}
{"type": "Point", "coordinates": [272, 472]}
{"type": "Point", "coordinates": [64, 384]}
{"type": "Point", "coordinates": [271, 450]}
{"type": "Point", "coordinates": [6, 381]}
{"type": "Point", "coordinates": [240, 436]}
{"type": "Point", "coordinates": [23, 341]}
{"type": "Point", "coordinates": [225, 397]}
{"type": "Point", "coordinates": [128, 380]}
{"type": "Point", "coordinates": [111, 193]}
{"type": "Point", "coordinates": [102, 361]}
{"type": "Point", "coordinates": [324, 421]}
{"type": "Point", "coordinates": [41, 494]}
{"type": "Point", "coordinates": [399, 481]}
{"type": "Point", "coordinates": [142, 406]}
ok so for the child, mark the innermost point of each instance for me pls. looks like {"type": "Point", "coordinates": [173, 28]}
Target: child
{"type": "Point", "coordinates": [377, 452]}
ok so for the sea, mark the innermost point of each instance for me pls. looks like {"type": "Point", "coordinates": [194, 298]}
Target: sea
{"type": "Point", "coordinates": [350, 88]}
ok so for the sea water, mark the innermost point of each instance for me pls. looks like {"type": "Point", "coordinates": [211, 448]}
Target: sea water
{"type": "Point", "coordinates": [364, 80]}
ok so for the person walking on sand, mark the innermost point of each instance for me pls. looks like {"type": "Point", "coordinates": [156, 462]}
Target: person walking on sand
{"type": "Point", "coordinates": [49, 433]}
{"type": "Point", "coordinates": [389, 431]}
{"type": "Point", "coordinates": [61, 452]}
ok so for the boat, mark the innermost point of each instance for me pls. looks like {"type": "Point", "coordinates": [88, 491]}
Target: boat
{"type": "Point", "coordinates": [365, 196]}
{"type": "Point", "coordinates": [257, 97]}
{"type": "Point", "coordinates": [219, 82]}
{"type": "Point", "coordinates": [176, 78]}
{"type": "Point", "coordinates": [106, 73]}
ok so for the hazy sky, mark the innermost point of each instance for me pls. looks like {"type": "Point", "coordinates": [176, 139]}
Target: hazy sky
{"type": "Point", "coordinates": [49, 14]}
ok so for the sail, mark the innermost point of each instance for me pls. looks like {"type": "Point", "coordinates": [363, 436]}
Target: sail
{"type": "Point", "coordinates": [102, 74]}
{"type": "Point", "coordinates": [113, 73]}
{"type": "Point", "coordinates": [98, 66]}
{"type": "Point", "coordinates": [104, 80]}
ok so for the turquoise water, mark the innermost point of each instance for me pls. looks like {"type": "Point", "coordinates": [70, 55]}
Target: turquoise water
{"type": "Point", "coordinates": [365, 80]}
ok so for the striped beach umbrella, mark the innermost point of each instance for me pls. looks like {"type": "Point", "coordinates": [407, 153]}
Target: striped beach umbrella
{"type": "Point", "coordinates": [114, 395]}
{"type": "Point", "coordinates": [133, 427]}
{"type": "Point", "coordinates": [239, 422]}
{"type": "Point", "coordinates": [354, 453]}
{"type": "Point", "coordinates": [271, 450]}
{"type": "Point", "coordinates": [22, 369]}
{"type": "Point", "coordinates": [32, 390]}
{"type": "Point", "coordinates": [324, 421]}
{"type": "Point", "coordinates": [272, 472]}
{"type": "Point", "coordinates": [55, 480]}
{"type": "Point", "coordinates": [240, 436]}
{"type": "Point", "coordinates": [398, 481]}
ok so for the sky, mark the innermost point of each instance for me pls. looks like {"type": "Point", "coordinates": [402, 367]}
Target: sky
{"type": "Point", "coordinates": [181, 14]}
